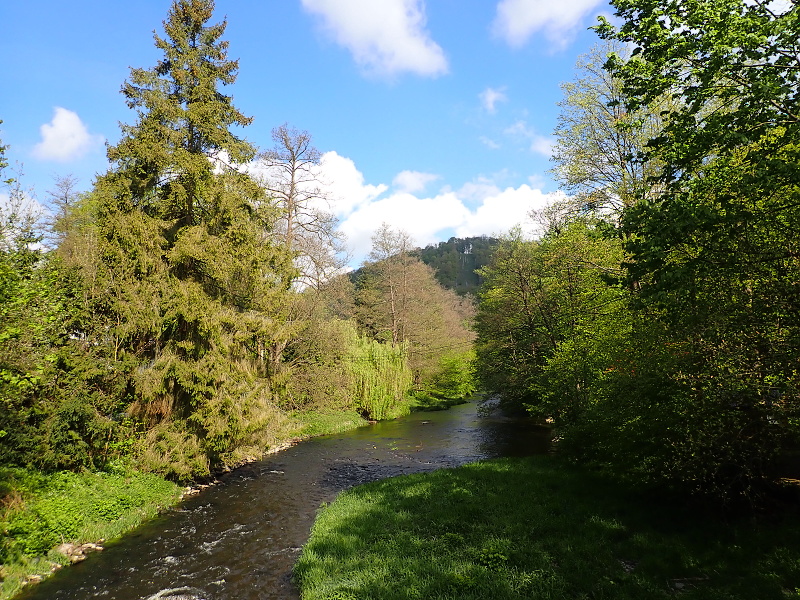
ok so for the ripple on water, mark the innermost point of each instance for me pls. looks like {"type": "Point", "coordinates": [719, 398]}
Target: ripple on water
{"type": "Point", "coordinates": [181, 593]}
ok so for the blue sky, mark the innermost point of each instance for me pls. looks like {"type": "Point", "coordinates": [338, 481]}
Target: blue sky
{"type": "Point", "coordinates": [434, 115]}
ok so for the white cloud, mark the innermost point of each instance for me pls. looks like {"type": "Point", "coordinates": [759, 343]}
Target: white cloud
{"type": "Point", "coordinates": [489, 143]}
{"type": "Point", "coordinates": [542, 144]}
{"type": "Point", "coordinates": [422, 218]}
{"type": "Point", "coordinates": [413, 181]}
{"type": "Point", "coordinates": [538, 144]}
{"type": "Point", "coordinates": [65, 138]}
{"type": "Point", "coordinates": [499, 212]}
{"type": "Point", "coordinates": [517, 20]}
{"type": "Point", "coordinates": [490, 97]}
{"type": "Point", "coordinates": [479, 207]}
{"type": "Point", "coordinates": [385, 37]}
{"type": "Point", "coordinates": [346, 184]}
{"type": "Point", "coordinates": [478, 189]}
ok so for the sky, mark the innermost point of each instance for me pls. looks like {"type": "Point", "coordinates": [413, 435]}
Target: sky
{"type": "Point", "coordinates": [435, 116]}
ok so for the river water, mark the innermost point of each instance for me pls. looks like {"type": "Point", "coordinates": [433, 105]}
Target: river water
{"type": "Point", "coordinates": [238, 540]}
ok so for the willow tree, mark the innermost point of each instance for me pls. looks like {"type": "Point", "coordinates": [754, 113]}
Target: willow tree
{"type": "Point", "coordinates": [194, 289]}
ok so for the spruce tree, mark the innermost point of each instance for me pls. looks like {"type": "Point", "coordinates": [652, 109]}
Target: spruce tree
{"type": "Point", "coordinates": [193, 287]}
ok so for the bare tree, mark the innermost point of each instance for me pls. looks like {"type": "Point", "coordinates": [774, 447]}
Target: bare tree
{"type": "Point", "coordinates": [63, 198]}
{"type": "Point", "coordinates": [307, 226]}
{"type": "Point", "coordinates": [21, 216]}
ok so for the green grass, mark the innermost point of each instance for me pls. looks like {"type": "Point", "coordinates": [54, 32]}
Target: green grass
{"type": "Point", "coordinates": [536, 528]}
{"type": "Point", "coordinates": [38, 512]}
{"type": "Point", "coordinates": [324, 422]}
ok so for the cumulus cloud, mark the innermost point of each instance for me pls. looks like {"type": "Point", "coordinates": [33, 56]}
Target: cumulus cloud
{"type": "Point", "coordinates": [490, 97]}
{"type": "Point", "coordinates": [499, 212]}
{"type": "Point", "coordinates": [386, 38]}
{"type": "Point", "coordinates": [477, 208]}
{"type": "Point", "coordinates": [517, 20]}
{"type": "Point", "coordinates": [65, 138]}
{"type": "Point", "coordinates": [346, 185]}
{"type": "Point", "coordinates": [413, 181]}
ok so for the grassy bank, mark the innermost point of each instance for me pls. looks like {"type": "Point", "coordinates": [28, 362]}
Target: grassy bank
{"type": "Point", "coordinates": [535, 528]}
{"type": "Point", "coordinates": [41, 512]}
{"type": "Point", "coordinates": [324, 422]}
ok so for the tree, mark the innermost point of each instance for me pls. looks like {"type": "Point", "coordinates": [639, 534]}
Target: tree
{"type": "Point", "coordinates": [457, 260]}
{"type": "Point", "coordinates": [399, 302]}
{"type": "Point", "coordinates": [191, 282]}
{"type": "Point", "coordinates": [598, 138]}
{"type": "Point", "coordinates": [386, 284]}
{"type": "Point", "coordinates": [732, 66]}
{"type": "Point", "coordinates": [715, 254]}
{"type": "Point", "coordinates": [307, 228]}
{"type": "Point", "coordinates": [544, 300]}
{"type": "Point", "coordinates": [63, 199]}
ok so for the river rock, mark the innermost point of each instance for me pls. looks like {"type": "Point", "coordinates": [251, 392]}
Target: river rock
{"type": "Point", "coordinates": [77, 552]}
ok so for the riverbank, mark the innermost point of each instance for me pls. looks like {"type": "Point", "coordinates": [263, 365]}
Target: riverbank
{"type": "Point", "coordinates": [49, 521]}
{"type": "Point", "coordinates": [537, 528]}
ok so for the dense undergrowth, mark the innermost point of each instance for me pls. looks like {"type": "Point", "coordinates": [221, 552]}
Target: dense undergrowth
{"type": "Point", "coordinates": [537, 528]}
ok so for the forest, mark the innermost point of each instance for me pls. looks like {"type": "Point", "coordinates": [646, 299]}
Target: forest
{"type": "Point", "coordinates": [655, 323]}
{"type": "Point", "coordinates": [190, 312]}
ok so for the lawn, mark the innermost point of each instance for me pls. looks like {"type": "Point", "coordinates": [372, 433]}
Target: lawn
{"type": "Point", "coordinates": [538, 528]}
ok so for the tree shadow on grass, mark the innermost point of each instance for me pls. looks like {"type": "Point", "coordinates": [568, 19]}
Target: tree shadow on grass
{"type": "Point", "coordinates": [537, 528]}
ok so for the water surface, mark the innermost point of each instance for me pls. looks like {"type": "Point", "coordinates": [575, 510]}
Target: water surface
{"type": "Point", "coordinates": [238, 540]}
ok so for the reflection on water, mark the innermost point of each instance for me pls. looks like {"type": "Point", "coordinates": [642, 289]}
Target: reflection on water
{"type": "Point", "coordinates": [238, 540]}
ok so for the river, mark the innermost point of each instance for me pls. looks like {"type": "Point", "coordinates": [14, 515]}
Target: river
{"type": "Point", "coordinates": [238, 540]}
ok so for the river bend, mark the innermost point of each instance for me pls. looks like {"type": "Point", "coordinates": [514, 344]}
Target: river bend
{"type": "Point", "coordinates": [239, 539]}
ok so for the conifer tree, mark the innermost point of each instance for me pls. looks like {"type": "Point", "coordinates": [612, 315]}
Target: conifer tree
{"type": "Point", "coordinates": [193, 287]}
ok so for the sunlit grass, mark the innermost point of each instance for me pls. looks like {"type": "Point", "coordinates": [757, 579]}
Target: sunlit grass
{"type": "Point", "coordinates": [324, 422]}
{"type": "Point", "coordinates": [42, 511]}
{"type": "Point", "coordinates": [534, 528]}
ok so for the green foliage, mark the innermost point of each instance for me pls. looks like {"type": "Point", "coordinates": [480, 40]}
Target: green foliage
{"type": "Point", "coordinates": [456, 262]}
{"type": "Point", "coordinates": [542, 299]}
{"type": "Point", "coordinates": [187, 284]}
{"type": "Point", "coordinates": [71, 507]}
{"type": "Point", "coordinates": [312, 423]}
{"type": "Point", "coordinates": [381, 379]}
{"type": "Point", "coordinates": [536, 528]}
{"type": "Point", "coordinates": [598, 136]}
{"type": "Point", "coordinates": [38, 513]}
{"type": "Point", "coordinates": [713, 257]}
{"type": "Point", "coordinates": [453, 383]}
{"type": "Point", "coordinates": [398, 300]}
{"type": "Point", "coordinates": [337, 368]}
{"type": "Point", "coordinates": [735, 76]}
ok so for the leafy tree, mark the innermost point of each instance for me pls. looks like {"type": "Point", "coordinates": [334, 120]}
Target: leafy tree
{"type": "Point", "coordinates": [714, 255]}
{"type": "Point", "coordinates": [732, 64]}
{"type": "Point", "coordinates": [190, 280]}
{"type": "Point", "coordinates": [597, 138]}
{"type": "Point", "coordinates": [398, 301]}
{"type": "Point", "coordinates": [543, 314]}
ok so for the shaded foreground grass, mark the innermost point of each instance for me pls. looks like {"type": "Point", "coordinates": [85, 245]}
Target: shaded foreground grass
{"type": "Point", "coordinates": [536, 528]}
